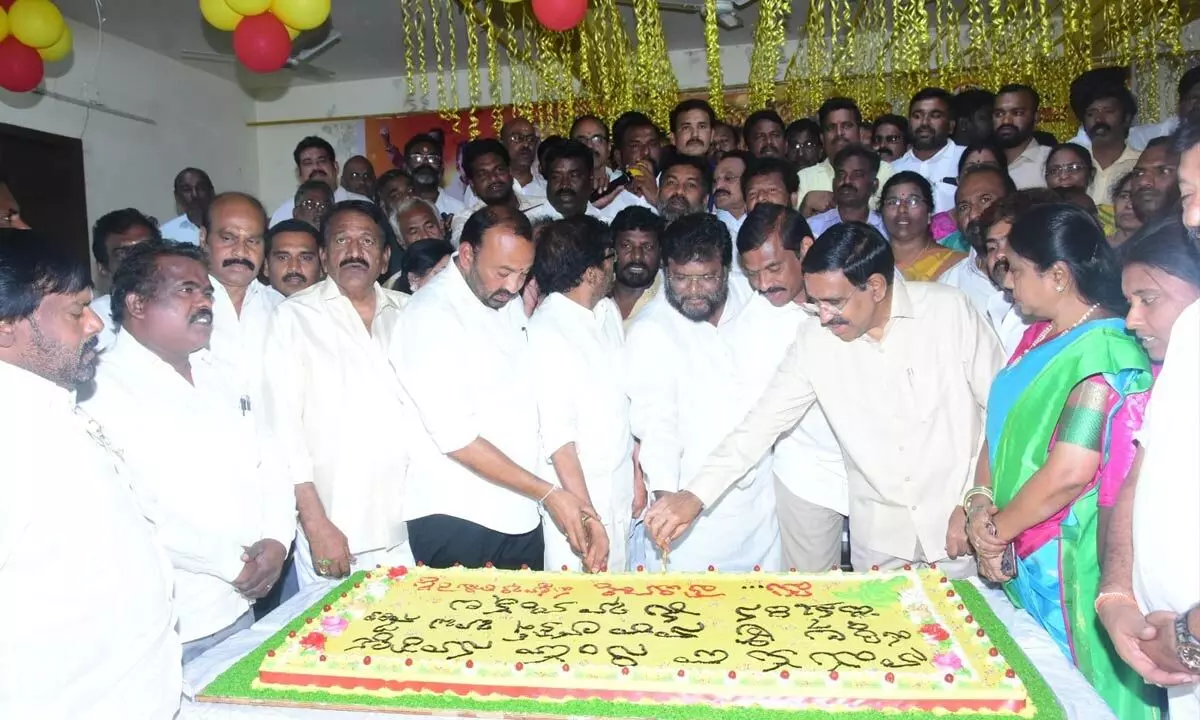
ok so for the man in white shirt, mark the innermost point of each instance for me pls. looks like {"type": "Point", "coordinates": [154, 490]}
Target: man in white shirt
{"type": "Point", "coordinates": [764, 134]}
{"type": "Point", "coordinates": [358, 177]}
{"type": "Point", "coordinates": [232, 236]}
{"type": "Point", "coordinates": [486, 162]}
{"type": "Point", "coordinates": [68, 508]}
{"type": "Point", "coordinates": [638, 150]}
{"type": "Point", "coordinates": [332, 399]}
{"type": "Point", "coordinates": [593, 133]}
{"type": "Point", "coordinates": [315, 160]}
{"type": "Point", "coordinates": [520, 138]}
{"type": "Point", "coordinates": [691, 124]}
{"type": "Point", "coordinates": [576, 341]}
{"type": "Point", "coordinates": [688, 367]}
{"type": "Point", "coordinates": [933, 155]}
{"type": "Point", "coordinates": [840, 121]}
{"type": "Point", "coordinates": [423, 154]}
{"type": "Point", "coordinates": [1014, 118]}
{"type": "Point", "coordinates": [683, 187]}
{"type": "Point", "coordinates": [729, 203]}
{"type": "Point", "coordinates": [417, 219]}
{"type": "Point", "coordinates": [293, 257]}
{"type": "Point", "coordinates": [910, 431]}
{"type": "Point", "coordinates": [855, 182]}
{"type": "Point", "coordinates": [215, 488]}
{"type": "Point", "coordinates": [193, 193]}
{"type": "Point", "coordinates": [313, 200]}
{"type": "Point", "coordinates": [568, 168]}
{"type": "Point", "coordinates": [473, 493]}
{"type": "Point", "coordinates": [811, 498]}
{"type": "Point", "coordinates": [114, 235]}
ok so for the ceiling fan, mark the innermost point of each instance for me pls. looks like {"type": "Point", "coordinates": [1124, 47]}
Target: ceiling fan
{"type": "Point", "coordinates": [297, 63]}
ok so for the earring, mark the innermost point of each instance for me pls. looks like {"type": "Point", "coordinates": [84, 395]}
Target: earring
{"type": "Point", "coordinates": [1060, 288]}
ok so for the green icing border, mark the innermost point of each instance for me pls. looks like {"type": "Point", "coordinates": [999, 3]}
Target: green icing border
{"type": "Point", "coordinates": [236, 683]}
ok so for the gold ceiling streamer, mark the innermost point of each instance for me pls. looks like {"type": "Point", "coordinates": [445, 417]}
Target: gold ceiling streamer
{"type": "Point", "coordinates": [712, 54]}
{"type": "Point", "coordinates": [409, 31]}
{"type": "Point", "coordinates": [769, 39]}
{"type": "Point", "coordinates": [474, 95]}
{"type": "Point", "coordinates": [418, 39]}
{"type": "Point", "coordinates": [656, 89]}
{"type": "Point", "coordinates": [493, 61]}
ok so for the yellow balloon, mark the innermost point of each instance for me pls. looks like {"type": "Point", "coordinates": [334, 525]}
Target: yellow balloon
{"type": "Point", "coordinates": [58, 50]}
{"type": "Point", "coordinates": [36, 23]}
{"type": "Point", "coordinates": [301, 14]}
{"type": "Point", "coordinates": [248, 7]}
{"type": "Point", "coordinates": [219, 15]}
{"type": "Point", "coordinates": [293, 33]}
{"type": "Point", "coordinates": [3, 24]}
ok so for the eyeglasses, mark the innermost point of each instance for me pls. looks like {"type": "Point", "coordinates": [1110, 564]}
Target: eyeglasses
{"type": "Point", "coordinates": [912, 202]}
{"type": "Point", "coordinates": [359, 175]}
{"type": "Point", "coordinates": [888, 139]}
{"type": "Point", "coordinates": [1069, 168]}
{"type": "Point", "coordinates": [592, 139]}
{"type": "Point", "coordinates": [833, 308]}
{"type": "Point", "coordinates": [810, 145]}
{"type": "Point", "coordinates": [417, 158]}
{"type": "Point", "coordinates": [695, 280]}
{"type": "Point", "coordinates": [527, 139]}
{"type": "Point", "coordinates": [314, 205]}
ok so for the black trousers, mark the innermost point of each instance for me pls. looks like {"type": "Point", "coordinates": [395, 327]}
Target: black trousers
{"type": "Point", "coordinates": [441, 541]}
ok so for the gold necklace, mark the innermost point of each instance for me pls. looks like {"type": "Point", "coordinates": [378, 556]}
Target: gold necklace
{"type": "Point", "coordinates": [1050, 326]}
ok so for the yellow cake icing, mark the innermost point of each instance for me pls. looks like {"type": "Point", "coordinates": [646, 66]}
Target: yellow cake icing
{"type": "Point", "coordinates": [833, 640]}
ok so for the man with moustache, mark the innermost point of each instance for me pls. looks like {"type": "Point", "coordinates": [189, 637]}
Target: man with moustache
{"type": "Point", "coordinates": [684, 187]}
{"type": "Point", "coordinates": [193, 192]}
{"type": "Point", "coordinates": [315, 160]}
{"type": "Point", "coordinates": [840, 120]}
{"type": "Point", "coordinates": [803, 138]}
{"type": "Point", "coordinates": [889, 137]}
{"type": "Point", "coordinates": [1155, 181]}
{"type": "Point", "coordinates": [232, 236]}
{"type": "Point", "coordinates": [810, 475]}
{"type": "Point", "coordinates": [636, 232]}
{"type": "Point", "coordinates": [486, 162]}
{"type": "Point", "coordinates": [568, 169]}
{"type": "Point", "coordinates": [214, 485]}
{"type": "Point", "coordinates": [979, 188]}
{"type": "Point", "coordinates": [729, 204]}
{"type": "Point", "coordinates": [417, 219]}
{"type": "Point", "coordinates": [691, 125]}
{"type": "Point", "coordinates": [724, 139]}
{"type": "Point", "coordinates": [933, 155]}
{"type": "Point", "coordinates": [293, 257]}
{"type": "Point", "coordinates": [313, 200]}
{"type": "Point", "coordinates": [358, 177]}
{"type": "Point", "coordinates": [763, 134]}
{"type": "Point", "coordinates": [113, 236]}
{"type": "Point", "coordinates": [1108, 112]}
{"type": "Point", "coordinates": [910, 459]}
{"type": "Point", "coordinates": [472, 494]}
{"type": "Point", "coordinates": [855, 169]}
{"type": "Point", "coordinates": [326, 351]}
{"type": "Point", "coordinates": [67, 504]}
{"type": "Point", "coordinates": [521, 140]}
{"type": "Point", "coordinates": [1014, 118]}
{"type": "Point", "coordinates": [423, 155]}
{"type": "Point", "coordinates": [688, 362]}
{"type": "Point", "coordinates": [639, 152]}
{"type": "Point", "coordinates": [592, 131]}
{"type": "Point", "coordinates": [769, 180]}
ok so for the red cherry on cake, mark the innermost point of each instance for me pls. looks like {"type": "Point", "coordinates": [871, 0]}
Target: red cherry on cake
{"type": "Point", "coordinates": [944, 579]}
{"type": "Point", "coordinates": [270, 653]}
{"type": "Point", "coordinates": [970, 619]}
{"type": "Point", "coordinates": [1009, 673]}
{"type": "Point", "coordinates": [420, 563]}
{"type": "Point", "coordinates": [890, 677]}
{"type": "Point", "coordinates": [980, 632]}
{"type": "Point", "coordinates": [488, 565]}
{"type": "Point", "coordinates": [784, 675]}
{"type": "Point", "coordinates": [407, 662]}
{"type": "Point", "coordinates": [961, 606]}
{"type": "Point", "coordinates": [949, 593]}
{"type": "Point", "coordinates": [520, 667]}
{"type": "Point", "coordinates": [949, 678]}
{"type": "Point", "coordinates": [566, 668]}
{"type": "Point", "coordinates": [524, 566]}
{"type": "Point", "coordinates": [732, 675]}
{"type": "Point", "coordinates": [564, 568]}
{"type": "Point", "coordinates": [624, 671]}
{"type": "Point", "coordinates": [680, 673]}
{"type": "Point", "coordinates": [470, 664]}
{"type": "Point", "coordinates": [875, 567]}
{"type": "Point", "coordinates": [366, 660]}
{"type": "Point", "coordinates": [641, 568]}
{"type": "Point", "coordinates": [308, 621]}
{"type": "Point", "coordinates": [993, 652]}
{"type": "Point", "coordinates": [368, 575]}
{"type": "Point", "coordinates": [357, 584]}
{"type": "Point", "coordinates": [757, 568]}
{"type": "Point", "coordinates": [711, 568]}
{"type": "Point", "coordinates": [907, 566]}
{"type": "Point", "coordinates": [834, 676]}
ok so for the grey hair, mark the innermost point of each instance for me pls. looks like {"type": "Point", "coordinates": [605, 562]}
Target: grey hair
{"type": "Point", "coordinates": [411, 202]}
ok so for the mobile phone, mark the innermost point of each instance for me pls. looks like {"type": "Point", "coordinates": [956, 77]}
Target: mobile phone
{"type": "Point", "coordinates": [619, 181]}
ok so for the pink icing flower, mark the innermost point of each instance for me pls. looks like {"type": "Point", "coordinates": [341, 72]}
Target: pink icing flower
{"type": "Point", "coordinates": [313, 641]}
{"type": "Point", "coordinates": [947, 661]}
{"type": "Point", "coordinates": [935, 633]}
{"type": "Point", "coordinates": [334, 624]}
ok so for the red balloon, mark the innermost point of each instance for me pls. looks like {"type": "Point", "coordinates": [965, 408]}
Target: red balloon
{"type": "Point", "coordinates": [262, 43]}
{"type": "Point", "coordinates": [560, 15]}
{"type": "Point", "coordinates": [21, 68]}
{"type": "Point", "coordinates": [6, 4]}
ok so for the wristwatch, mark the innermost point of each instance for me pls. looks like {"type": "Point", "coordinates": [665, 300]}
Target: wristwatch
{"type": "Point", "coordinates": [1187, 645]}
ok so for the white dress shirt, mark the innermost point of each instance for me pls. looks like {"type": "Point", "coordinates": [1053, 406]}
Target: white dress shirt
{"type": "Point", "coordinates": [623, 200]}
{"type": "Point", "coordinates": [237, 339]}
{"type": "Point", "coordinates": [333, 402]}
{"type": "Point", "coordinates": [108, 648]}
{"type": "Point", "coordinates": [1028, 170]}
{"type": "Point", "coordinates": [468, 372]}
{"type": "Point", "coordinates": [688, 384]}
{"type": "Point", "coordinates": [1166, 509]}
{"type": "Point", "coordinates": [733, 223]}
{"type": "Point", "coordinates": [941, 165]}
{"type": "Point", "coordinates": [990, 301]}
{"type": "Point", "coordinates": [102, 306]}
{"type": "Point", "coordinates": [547, 213]}
{"type": "Point", "coordinates": [821, 222]}
{"type": "Point", "coordinates": [287, 207]}
{"type": "Point", "coordinates": [207, 478]}
{"type": "Point", "coordinates": [577, 357]}
{"type": "Point", "coordinates": [1139, 135]}
{"type": "Point", "coordinates": [531, 205]}
{"type": "Point", "coordinates": [180, 229]}
{"type": "Point", "coordinates": [908, 411]}
{"type": "Point", "coordinates": [447, 204]}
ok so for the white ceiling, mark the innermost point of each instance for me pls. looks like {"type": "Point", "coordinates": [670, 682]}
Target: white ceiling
{"type": "Point", "coordinates": [371, 32]}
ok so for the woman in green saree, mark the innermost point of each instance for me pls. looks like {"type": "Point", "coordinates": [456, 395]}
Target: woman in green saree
{"type": "Point", "coordinates": [1059, 442]}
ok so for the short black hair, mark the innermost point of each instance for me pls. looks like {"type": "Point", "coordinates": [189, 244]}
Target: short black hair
{"type": "Point", "coordinates": [934, 93]}
{"type": "Point", "coordinates": [637, 218]}
{"type": "Point", "coordinates": [423, 138]}
{"type": "Point", "coordinates": [855, 249]}
{"type": "Point", "coordinates": [382, 181]}
{"type": "Point", "coordinates": [1120, 93]}
{"type": "Point", "coordinates": [1013, 88]}
{"type": "Point", "coordinates": [701, 166]}
{"type": "Point", "coordinates": [292, 225]}
{"type": "Point", "coordinates": [32, 266]}
{"type": "Point", "coordinates": [139, 270]}
{"type": "Point", "coordinates": [892, 119]}
{"type": "Point", "coordinates": [310, 142]}
{"type": "Point", "coordinates": [631, 121]}
{"type": "Point", "coordinates": [313, 185]}
{"type": "Point", "coordinates": [990, 146]}
{"type": "Point", "coordinates": [116, 223]}
{"type": "Point", "coordinates": [767, 219]}
{"type": "Point", "coordinates": [969, 101]}
{"type": "Point", "coordinates": [566, 249]}
{"type": "Point", "coordinates": [699, 236]}
{"type": "Point", "coordinates": [688, 106]}
{"type": "Point", "coordinates": [807, 125]}
{"type": "Point", "coordinates": [562, 150]}
{"type": "Point", "coordinates": [492, 216]}
{"type": "Point", "coordinates": [854, 150]}
{"type": "Point", "coordinates": [480, 147]}
{"type": "Point", "coordinates": [1160, 141]}
{"type": "Point", "coordinates": [908, 177]}
{"type": "Point", "coordinates": [421, 257]}
{"type": "Point", "coordinates": [1187, 136]}
{"type": "Point", "coordinates": [758, 116]}
{"type": "Point", "coordinates": [743, 155]}
{"type": "Point", "coordinates": [362, 207]}
{"type": "Point", "coordinates": [1187, 81]}
{"type": "Point", "coordinates": [835, 104]}
{"type": "Point", "coordinates": [231, 194]}
{"type": "Point", "coordinates": [771, 166]}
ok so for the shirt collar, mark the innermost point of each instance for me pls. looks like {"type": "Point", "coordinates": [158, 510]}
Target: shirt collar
{"type": "Point", "coordinates": [1029, 154]}
{"type": "Point", "coordinates": [329, 290]}
{"type": "Point", "coordinates": [902, 306]}
{"type": "Point", "coordinates": [948, 147]}
{"type": "Point", "coordinates": [20, 384]}
{"type": "Point", "coordinates": [461, 294]}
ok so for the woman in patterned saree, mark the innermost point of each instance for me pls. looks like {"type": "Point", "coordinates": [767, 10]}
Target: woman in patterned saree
{"type": "Point", "coordinates": [1059, 442]}
{"type": "Point", "coordinates": [905, 204]}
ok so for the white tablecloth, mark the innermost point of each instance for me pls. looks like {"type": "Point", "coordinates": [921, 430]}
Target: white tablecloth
{"type": "Point", "coordinates": [1073, 692]}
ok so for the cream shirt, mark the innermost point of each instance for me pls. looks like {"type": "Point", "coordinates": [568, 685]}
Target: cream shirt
{"type": "Point", "coordinates": [91, 632]}
{"type": "Point", "coordinates": [207, 478]}
{"type": "Point", "coordinates": [577, 357]}
{"type": "Point", "coordinates": [819, 177]}
{"type": "Point", "coordinates": [333, 401]}
{"type": "Point", "coordinates": [532, 206]}
{"type": "Point", "coordinates": [1029, 169]}
{"type": "Point", "coordinates": [237, 339]}
{"type": "Point", "coordinates": [941, 165]}
{"type": "Point", "coordinates": [468, 371]}
{"type": "Point", "coordinates": [908, 412]}
{"type": "Point", "coordinates": [1102, 185]}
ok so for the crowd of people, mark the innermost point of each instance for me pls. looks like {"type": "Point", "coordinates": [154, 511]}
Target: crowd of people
{"type": "Point", "coordinates": [667, 348]}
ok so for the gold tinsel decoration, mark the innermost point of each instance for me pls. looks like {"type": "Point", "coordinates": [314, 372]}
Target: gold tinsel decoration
{"type": "Point", "coordinates": [768, 46]}
{"type": "Point", "coordinates": [712, 54]}
{"type": "Point", "coordinates": [473, 92]}
{"type": "Point", "coordinates": [655, 89]}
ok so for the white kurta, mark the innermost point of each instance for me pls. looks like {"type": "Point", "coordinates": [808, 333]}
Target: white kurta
{"type": "Point", "coordinates": [332, 400]}
{"type": "Point", "coordinates": [180, 229]}
{"type": "Point", "coordinates": [102, 306]}
{"type": "Point", "coordinates": [238, 339]}
{"type": "Point", "coordinates": [689, 383]}
{"type": "Point", "coordinates": [577, 355]}
{"type": "Point", "coordinates": [942, 165]}
{"type": "Point", "coordinates": [69, 523]}
{"type": "Point", "coordinates": [1166, 509]}
{"type": "Point", "coordinates": [207, 478]}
